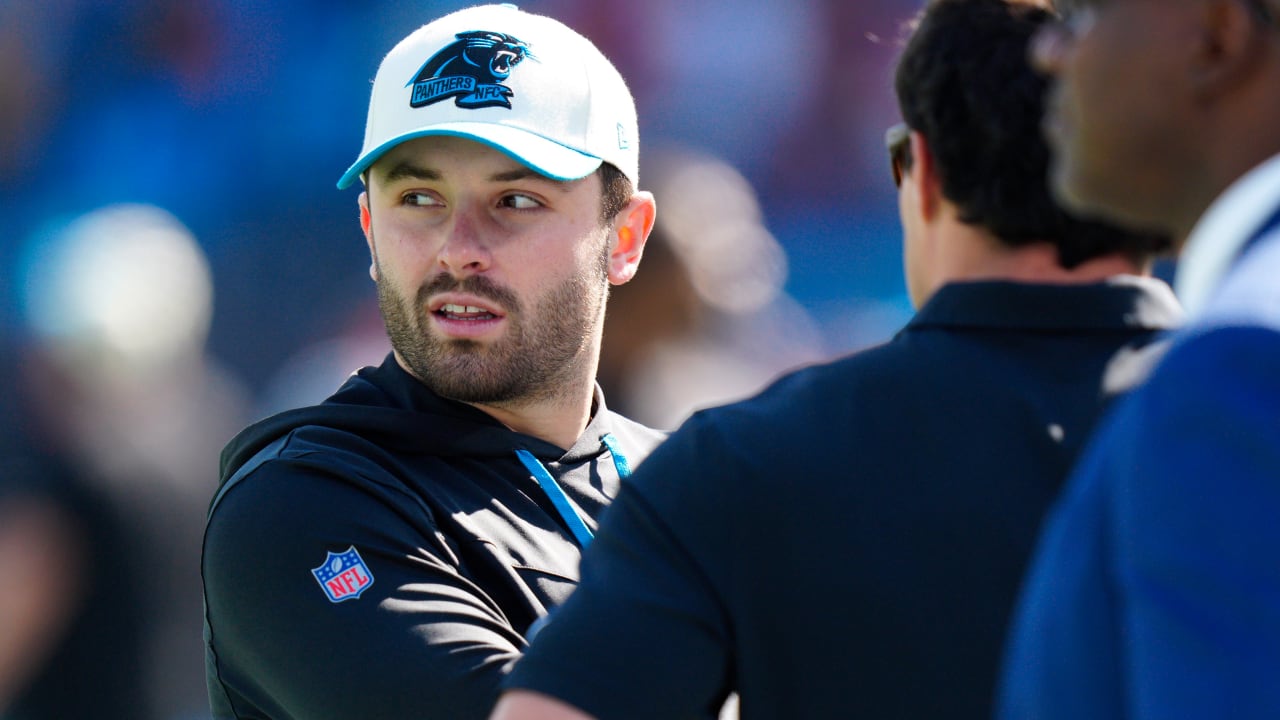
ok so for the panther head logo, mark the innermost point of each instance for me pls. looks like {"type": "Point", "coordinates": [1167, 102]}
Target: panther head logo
{"type": "Point", "coordinates": [471, 69]}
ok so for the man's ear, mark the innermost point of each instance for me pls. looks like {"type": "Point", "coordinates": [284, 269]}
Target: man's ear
{"type": "Point", "coordinates": [1231, 40]}
{"type": "Point", "coordinates": [923, 176]}
{"type": "Point", "coordinates": [366, 224]}
{"type": "Point", "coordinates": [630, 232]}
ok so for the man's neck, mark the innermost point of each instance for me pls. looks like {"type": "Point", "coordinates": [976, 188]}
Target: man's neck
{"type": "Point", "coordinates": [970, 254]}
{"type": "Point", "coordinates": [559, 421]}
{"type": "Point", "coordinates": [1038, 263]}
{"type": "Point", "coordinates": [559, 418]}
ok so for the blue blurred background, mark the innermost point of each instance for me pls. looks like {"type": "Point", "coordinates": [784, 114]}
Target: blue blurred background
{"type": "Point", "coordinates": [175, 260]}
{"type": "Point", "coordinates": [238, 116]}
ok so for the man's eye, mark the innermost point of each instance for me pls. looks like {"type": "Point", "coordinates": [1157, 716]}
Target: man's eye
{"type": "Point", "coordinates": [420, 199]}
{"type": "Point", "coordinates": [520, 202]}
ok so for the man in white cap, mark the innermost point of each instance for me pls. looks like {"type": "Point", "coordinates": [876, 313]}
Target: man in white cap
{"type": "Point", "coordinates": [385, 553]}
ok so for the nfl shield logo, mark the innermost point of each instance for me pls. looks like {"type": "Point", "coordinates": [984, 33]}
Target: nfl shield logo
{"type": "Point", "coordinates": [343, 576]}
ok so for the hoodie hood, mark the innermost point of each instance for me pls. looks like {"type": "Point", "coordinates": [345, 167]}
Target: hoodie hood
{"type": "Point", "coordinates": [390, 408]}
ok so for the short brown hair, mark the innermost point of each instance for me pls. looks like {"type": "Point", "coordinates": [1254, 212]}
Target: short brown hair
{"type": "Point", "coordinates": [616, 192]}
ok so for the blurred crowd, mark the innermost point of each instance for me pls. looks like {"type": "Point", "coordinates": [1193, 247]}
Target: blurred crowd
{"type": "Point", "coordinates": [176, 262]}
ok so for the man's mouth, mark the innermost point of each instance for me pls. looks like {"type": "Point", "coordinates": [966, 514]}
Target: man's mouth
{"type": "Point", "coordinates": [453, 311]}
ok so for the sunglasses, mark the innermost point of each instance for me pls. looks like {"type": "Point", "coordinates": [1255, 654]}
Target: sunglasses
{"type": "Point", "coordinates": [897, 140]}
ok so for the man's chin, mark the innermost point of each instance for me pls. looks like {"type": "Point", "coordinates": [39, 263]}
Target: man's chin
{"type": "Point", "coordinates": [467, 388]}
{"type": "Point", "coordinates": [1076, 194]}
{"type": "Point", "coordinates": [1088, 199]}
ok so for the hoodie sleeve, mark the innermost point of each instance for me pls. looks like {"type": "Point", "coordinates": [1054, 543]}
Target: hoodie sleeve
{"type": "Point", "coordinates": [327, 598]}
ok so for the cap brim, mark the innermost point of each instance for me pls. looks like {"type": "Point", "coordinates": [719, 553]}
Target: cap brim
{"type": "Point", "coordinates": [544, 156]}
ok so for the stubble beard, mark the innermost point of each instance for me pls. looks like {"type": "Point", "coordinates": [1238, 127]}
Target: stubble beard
{"type": "Point", "coordinates": [537, 359]}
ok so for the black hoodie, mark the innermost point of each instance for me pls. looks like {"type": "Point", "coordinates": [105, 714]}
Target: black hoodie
{"type": "Point", "coordinates": [383, 554]}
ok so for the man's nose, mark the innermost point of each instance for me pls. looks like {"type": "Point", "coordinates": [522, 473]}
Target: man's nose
{"type": "Point", "coordinates": [465, 251]}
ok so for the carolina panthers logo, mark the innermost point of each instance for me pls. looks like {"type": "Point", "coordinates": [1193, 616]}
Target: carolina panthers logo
{"type": "Point", "coordinates": [470, 69]}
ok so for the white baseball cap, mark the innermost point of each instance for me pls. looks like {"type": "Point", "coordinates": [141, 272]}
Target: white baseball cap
{"type": "Point", "coordinates": [524, 84]}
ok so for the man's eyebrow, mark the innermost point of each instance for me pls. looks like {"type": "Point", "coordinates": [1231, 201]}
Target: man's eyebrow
{"type": "Point", "coordinates": [407, 170]}
{"type": "Point", "coordinates": [524, 173]}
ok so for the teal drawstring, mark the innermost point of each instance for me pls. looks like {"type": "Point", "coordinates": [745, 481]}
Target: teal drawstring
{"type": "Point", "coordinates": [549, 486]}
{"type": "Point", "coordinates": [619, 460]}
{"type": "Point", "coordinates": [571, 516]}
